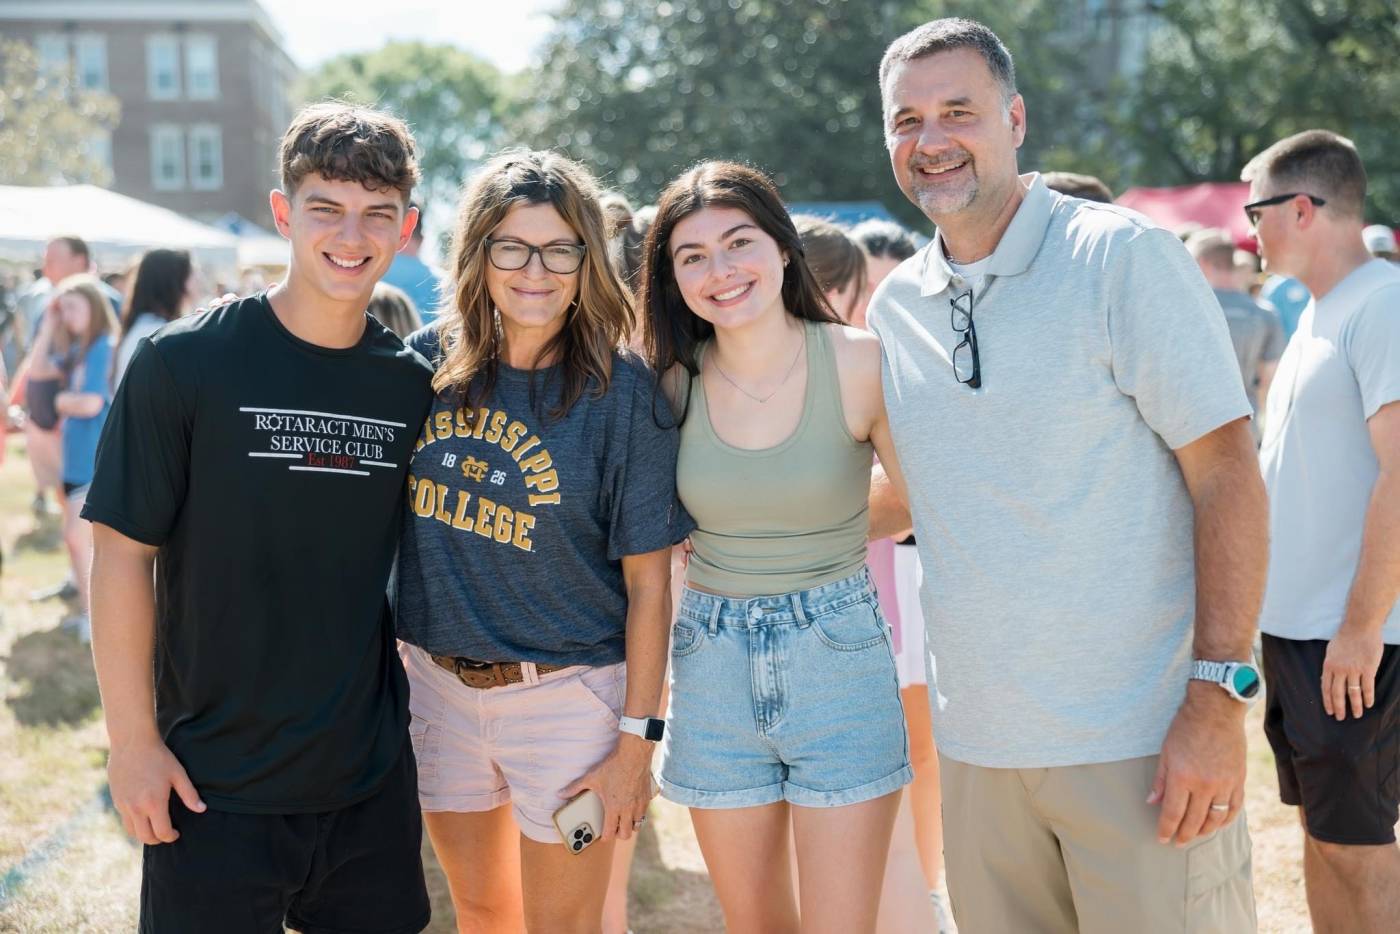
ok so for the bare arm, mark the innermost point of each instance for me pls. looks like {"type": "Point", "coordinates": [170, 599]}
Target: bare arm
{"type": "Point", "coordinates": [623, 780]}
{"type": "Point", "coordinates": [79, 404]}
{"type": "Point", "coordinates": [1203, 757]}
{"type": "Point", "coordinates": [141, 770]}
{"type": "Point", "coordinates": [889, 514]}
{"type": "Point", "coordinates": [1354, 654]}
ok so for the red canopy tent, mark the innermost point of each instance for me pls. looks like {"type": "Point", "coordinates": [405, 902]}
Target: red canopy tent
{"type": "Point", "coordinates": [1210, 204]}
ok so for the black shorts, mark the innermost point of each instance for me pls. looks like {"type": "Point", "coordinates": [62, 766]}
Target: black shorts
{"type": "Point", "coordinates": [41, 402]}
{"type": "Point", "coordinates": [1344, 774]}
{"type": "Point", "coordinates": [357, 869]}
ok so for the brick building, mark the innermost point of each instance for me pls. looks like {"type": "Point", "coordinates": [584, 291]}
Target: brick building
{"type": "Point", "coordinates": [203, 86]}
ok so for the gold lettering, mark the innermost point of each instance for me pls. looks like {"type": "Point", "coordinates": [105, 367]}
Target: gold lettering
{"type": "Point", "coordinates": [546, 482]}
{"type": "Point", "coordinates": [514, 432]}
{"type": "Point", "coordinates": [423, 504]}
{"type": "Point", "coordinates": [464, 423]}
{"type": "Point", "coordinates": [459, 518]}
{"type": "Point", "coordinates": [443, 423]}
{"type": "Point", "coordinates": [505, 516]}
{"type": "Point", "coordinates": [479, 422]}
{"type": "Point", "coordinates": [498, 421]}
{"type": "Point", "coordinates": [524, 522]}
{"type": "Point", "coordinates": [441, 513]}
{"type": "Point", "coordinates": [544, 499]}
{"type": "Point", "coordinates": [533, 442]}
{"type": "Point", "coordinates": [536, 462]}
{"type": "Point", "coordinates": [484, 514]}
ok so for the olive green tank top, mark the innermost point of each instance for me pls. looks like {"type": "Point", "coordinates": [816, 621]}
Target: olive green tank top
{"type": "Point", "coordinates": [783, 518]}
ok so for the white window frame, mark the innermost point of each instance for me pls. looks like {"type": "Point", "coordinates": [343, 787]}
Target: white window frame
{"type": "Point", "coordinates": [167, 140]}
{"type": "Point", "coordinates": [51, 48]}
{"type": "Point", "coordinates": [212, 135]}
{"type": "Point", "coordinates": [197, 44]}
{"type": "Point", "coordinates": [157, 46]}
{"type": "Point", "coordinates": [90, 51]}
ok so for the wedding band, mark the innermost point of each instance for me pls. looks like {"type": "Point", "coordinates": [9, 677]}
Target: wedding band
{"type": "Point", "coordinates": [1353, 687]}
{"type": "Point", "coordinates": [1221, 808]}
{"type": "Point", "coordinates": [639, 822]}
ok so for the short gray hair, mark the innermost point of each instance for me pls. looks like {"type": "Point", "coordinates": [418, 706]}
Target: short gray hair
{"type": "Point", "coordinates": [1317, 162]}
{"type": "Point", "coordinates": [946, 35]}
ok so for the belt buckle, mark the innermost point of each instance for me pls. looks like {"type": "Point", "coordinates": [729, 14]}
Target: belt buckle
{"type": "Point", "coordinates": [479, 676]}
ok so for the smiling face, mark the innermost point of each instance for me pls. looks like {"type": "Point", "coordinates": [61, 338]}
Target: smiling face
{"type": "Point", "coordinates": [727, 269]}
{"type": "Point", "coordinates": [343, 235]}
{"type": "Point", "coordinates": [533, 297]}
{"type": "Point", "coordinates": [952, 138]}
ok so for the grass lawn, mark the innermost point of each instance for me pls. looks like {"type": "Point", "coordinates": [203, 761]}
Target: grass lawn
{"type": "Point", "coordinates": [52, 772]}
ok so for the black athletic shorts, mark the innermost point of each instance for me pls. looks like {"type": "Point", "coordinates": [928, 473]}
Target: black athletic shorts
{"type": "Point", "coordinates": [1344, 774]}
{"type": "Point", "coordinates": [357, 869]}
{"type": "Point", "coordinates": [41, 402]}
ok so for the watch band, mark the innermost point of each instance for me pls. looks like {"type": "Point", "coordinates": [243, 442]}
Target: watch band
{"type": "Point", "coordinates": [648, 728]}
{"type": "Point", "coordinates": [1215, 672]}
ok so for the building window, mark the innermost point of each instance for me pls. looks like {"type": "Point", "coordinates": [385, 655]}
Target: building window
{"type": "Point", "coordinates": [52, 49]}
{"type": "Point", "coordinates": [206, 158]}
{"type": "Point", "coordinates": [99, 148]}
{"type": "Point", "coordinates": [167, 158]}
{"type": "Point", "coordinates": [201, 67]}
{"type": "Point", "coordinates": [91, 54]}
{"type": "Point", "coordinates": [163, 67]}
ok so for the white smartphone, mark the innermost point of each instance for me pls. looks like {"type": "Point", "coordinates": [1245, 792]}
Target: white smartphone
{"type": "Point", "coordinates": [580, 821]}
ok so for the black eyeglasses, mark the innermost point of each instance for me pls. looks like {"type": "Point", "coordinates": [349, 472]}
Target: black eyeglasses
{"type": "Point", "coordinates": [510, 255]}
{"type": "Point", "coordinates": [967, 363]}
{"type": "Point", "coordinates": [1251, 210]}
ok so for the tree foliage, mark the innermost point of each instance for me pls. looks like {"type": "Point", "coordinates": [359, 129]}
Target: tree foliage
{"type": "Point", "coordinates": [48, 123]}
{"type": "Point", "coordinates": [640, 91]}
{"type": "Point", "coordinates": [448, 97]}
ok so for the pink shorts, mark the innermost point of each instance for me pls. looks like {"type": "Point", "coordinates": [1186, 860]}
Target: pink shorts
{"type": "Point", "coordinates": [524, 743]}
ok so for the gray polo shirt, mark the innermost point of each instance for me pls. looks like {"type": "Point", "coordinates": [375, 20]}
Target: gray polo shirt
{"type": "Point", "coordinates": [1341, 366]}
{"type": "Point", "coordinates": [1053, 522]}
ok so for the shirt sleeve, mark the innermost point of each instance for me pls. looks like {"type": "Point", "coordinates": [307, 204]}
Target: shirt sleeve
{"type": "Point", "coordinates": [1274, 342]}
{"type": "Point", "coordinates": [1170, 346]}
{"type": "Point", "coordinates": [143, 455]}
{"type": "Point", "coordinates": [644, 512]}
{"type": "Point", "coordinates": [1372, 347]}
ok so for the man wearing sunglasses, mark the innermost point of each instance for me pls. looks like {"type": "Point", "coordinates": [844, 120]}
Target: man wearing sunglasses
{"type": "Point", "coordinates": [1331, 460]}
{"type": "Point", "coordinates": [1092, 524]}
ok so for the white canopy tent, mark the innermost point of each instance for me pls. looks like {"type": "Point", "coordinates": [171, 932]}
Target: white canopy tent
{"type": "Point", "coordinates": [116, 227]}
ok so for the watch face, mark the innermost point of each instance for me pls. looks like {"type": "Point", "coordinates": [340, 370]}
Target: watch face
{"type": "Point", "coordinates": [1246, 682]}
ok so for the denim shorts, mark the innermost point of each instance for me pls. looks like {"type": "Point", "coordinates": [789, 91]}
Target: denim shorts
{"type": "Point", "coordinates": [784, 698]}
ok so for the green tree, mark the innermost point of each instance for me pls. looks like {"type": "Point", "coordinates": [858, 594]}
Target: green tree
{"type": "Point", "coordinates": [48, 124]}
{"type": "Point", "coordinates": [1225, 78]}
{"type": "Point", "coordinates": [640, 91]}
{"type": "Point", "coordinates": [448, 97]}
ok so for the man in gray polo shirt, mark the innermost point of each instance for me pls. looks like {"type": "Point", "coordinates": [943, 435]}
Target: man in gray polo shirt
{"type": "Point", "coordinates": [1331, 459]}
{"type": "Point", "coordinates": [1073, 431]}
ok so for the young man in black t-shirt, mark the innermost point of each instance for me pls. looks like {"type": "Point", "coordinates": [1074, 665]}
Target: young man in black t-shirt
{"type": "Point", "coordinates": [255, 458]}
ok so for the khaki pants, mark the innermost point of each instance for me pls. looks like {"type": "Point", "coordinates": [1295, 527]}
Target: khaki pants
{"type": "Point", "coordinates": [1075, 848]}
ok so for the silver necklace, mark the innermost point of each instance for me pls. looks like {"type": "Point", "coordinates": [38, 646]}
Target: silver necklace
{"type": "Point", "coordinates": [791, 366]}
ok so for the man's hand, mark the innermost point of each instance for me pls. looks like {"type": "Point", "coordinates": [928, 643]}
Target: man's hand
{"type": "Point", "coordinates": [1202, 764]}
{"type": "Point", "coordinates": [142, 777]}
{"type": "Point", "coordinates": [1349, 671]}
{"type": "Point", "coordinates": [623, 781]}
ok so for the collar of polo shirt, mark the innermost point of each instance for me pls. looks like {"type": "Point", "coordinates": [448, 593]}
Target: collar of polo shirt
{"type": "Point", "coordinates": [1017, 247]}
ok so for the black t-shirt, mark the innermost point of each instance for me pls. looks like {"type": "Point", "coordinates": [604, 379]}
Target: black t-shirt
{"type": "Point", "coordinates": [270, 473]}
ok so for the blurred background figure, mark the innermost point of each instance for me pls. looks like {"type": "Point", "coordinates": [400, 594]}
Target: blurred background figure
{"type": "Point", "coordinates": [1079, 186]}
{"type": "Point", "coordinates": [392, 308]}
{"type": "Point", "coordinates": [1255, 330]}
{"type": "Point", "coordinates": [74, 347]}
{"type": "Point", "coordinates": [838, 262]}
{"type": "Point", "coordinates": [163, 288]}
{"type": "Point", "coordinates": [423, 283]}
{"type": "Point", "coordinates": [1380, 242]}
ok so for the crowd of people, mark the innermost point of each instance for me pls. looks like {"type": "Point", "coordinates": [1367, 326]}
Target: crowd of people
{"type": "Point", "coordinates": [763, 501]}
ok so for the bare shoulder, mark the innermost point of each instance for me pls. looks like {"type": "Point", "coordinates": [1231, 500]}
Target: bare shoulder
{"type": "Point", "coordinates": [857, 351]}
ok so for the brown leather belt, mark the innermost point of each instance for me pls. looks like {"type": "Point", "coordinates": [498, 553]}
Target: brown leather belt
{"type": "Point", "coordinates": [481, 675]}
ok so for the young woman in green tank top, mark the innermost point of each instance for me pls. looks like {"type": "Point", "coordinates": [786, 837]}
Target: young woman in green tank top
{"type": "Point", "coordinates": [785, 708]}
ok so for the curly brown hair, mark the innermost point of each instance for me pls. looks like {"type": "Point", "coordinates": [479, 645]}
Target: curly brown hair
{"type": "Point", "coordinates": [346, 143]}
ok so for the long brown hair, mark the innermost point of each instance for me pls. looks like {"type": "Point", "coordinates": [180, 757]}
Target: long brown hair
{"type": "Point", "coordinates": [836, 259]}
{"type": "Point", "coordinates": [101, 318]}
{"type": "Point", "coordinates": [673, 331]}
{"type": "Point", "coordinates": [596, 325]}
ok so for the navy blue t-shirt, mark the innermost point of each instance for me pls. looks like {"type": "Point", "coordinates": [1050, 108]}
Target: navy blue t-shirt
{"type": "Point", "coordinates": [518, 522]}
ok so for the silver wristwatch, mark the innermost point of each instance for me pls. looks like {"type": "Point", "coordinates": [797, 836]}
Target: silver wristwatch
{"type": "Point", "coordinates": [1241, 680]}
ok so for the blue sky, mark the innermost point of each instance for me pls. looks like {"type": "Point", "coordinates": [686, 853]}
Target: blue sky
{"type": "Point", "coordinates": [504, 32]}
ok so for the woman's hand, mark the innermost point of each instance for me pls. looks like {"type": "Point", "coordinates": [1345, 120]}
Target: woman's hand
{"type": "Point", "coordinates": [623, 781]}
